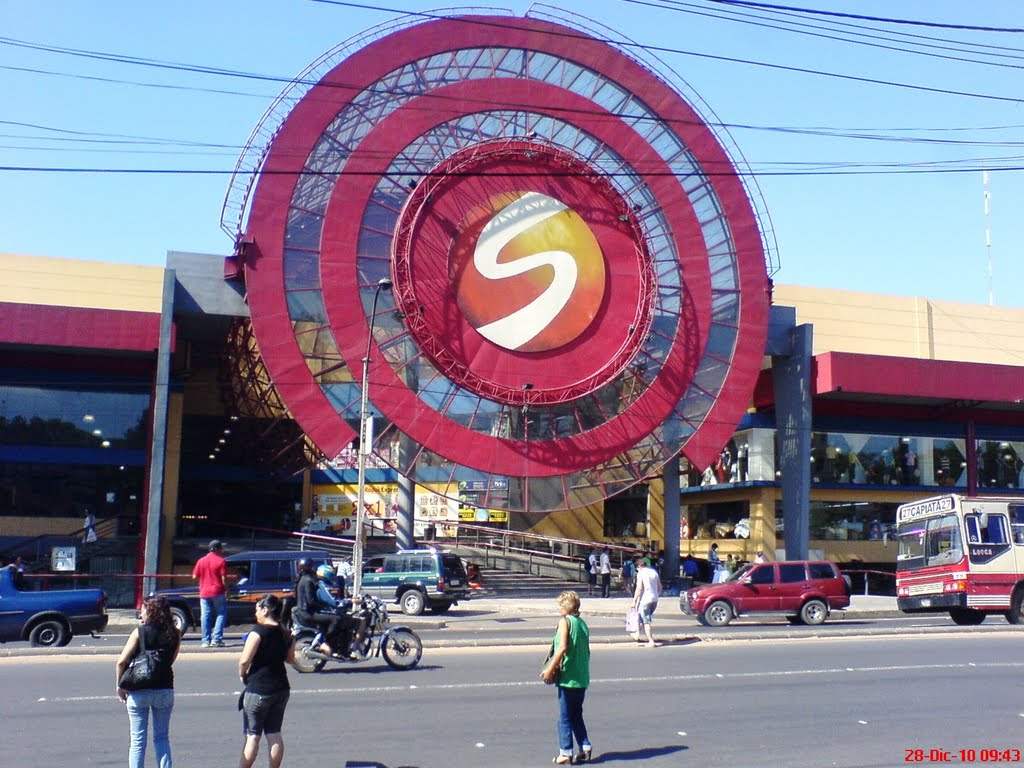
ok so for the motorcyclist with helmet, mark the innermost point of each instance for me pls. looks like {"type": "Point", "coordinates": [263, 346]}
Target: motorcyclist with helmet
{"type": "Point", "coordinates": [315, 606]}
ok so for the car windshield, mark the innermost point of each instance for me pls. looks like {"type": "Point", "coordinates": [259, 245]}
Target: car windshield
{"type": "Point", "coordinates": [742, 573]}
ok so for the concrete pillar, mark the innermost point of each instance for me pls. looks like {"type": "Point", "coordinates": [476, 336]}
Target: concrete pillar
{"type": "Point", "coordinates": [792, 376]}
{"type": "Point", "coordinates": [158, 444]}
{"type": "Point", "coordinates": [672, 516]}
{"type": "Point", "coordinates": [404, 536]}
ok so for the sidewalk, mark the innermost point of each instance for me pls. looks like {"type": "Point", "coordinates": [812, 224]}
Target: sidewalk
{"type": "Point", "coordinates": [861, 607]}
{"type": "Point", "coordinates": [484, 622]}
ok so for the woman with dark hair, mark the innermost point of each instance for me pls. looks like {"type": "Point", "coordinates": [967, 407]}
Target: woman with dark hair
{"type": "Point", "coordinates": [568, 668]}
{"type": "Point", "coordinates": [261, 669]}
{"type": "Point", "coordinates": [158, 634]}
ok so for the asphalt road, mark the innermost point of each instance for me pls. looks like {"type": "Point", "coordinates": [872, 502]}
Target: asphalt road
{"type": "Point", "coordinates": [502, 623]}
{"type": "Point", "coordinates": [809, 703]}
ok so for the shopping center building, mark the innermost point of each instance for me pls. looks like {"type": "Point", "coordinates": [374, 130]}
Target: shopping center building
{"type": "Point", "coordinates": [909, 397]}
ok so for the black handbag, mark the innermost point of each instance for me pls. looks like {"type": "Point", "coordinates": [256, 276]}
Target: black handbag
{"type": "Point", "coordinates": [141, 670]}
{"type": "Point", "coordinates": [556, 678]}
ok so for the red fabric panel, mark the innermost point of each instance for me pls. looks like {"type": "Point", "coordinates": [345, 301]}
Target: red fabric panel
{"type": "Point", "coordinates": [909, 377]}
{"type": "Point", "coordinates": [42, 325]}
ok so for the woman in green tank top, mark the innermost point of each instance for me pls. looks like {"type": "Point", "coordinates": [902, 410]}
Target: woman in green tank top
{"type": "Point", "coordinates": [570, 663]}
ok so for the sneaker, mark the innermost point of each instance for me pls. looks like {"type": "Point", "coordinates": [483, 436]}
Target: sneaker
{"type": "Point", "coordinates": [219, 644]}
{"type": "Point", "coordinates": [204, 644]}
{"type": "Point", "coordinates": [651, 644]}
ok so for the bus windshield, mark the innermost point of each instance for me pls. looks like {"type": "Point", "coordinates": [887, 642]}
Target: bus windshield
{"type": "Point", "coordinates": [932, 542]}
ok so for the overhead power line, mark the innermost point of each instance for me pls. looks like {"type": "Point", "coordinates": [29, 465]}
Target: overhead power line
{"type": "Point", "coordinates": [903, 168]}
{"type": "Point", "coordinates": [218, 71]}
{"type": "Point", "coordinates": [863, 17]}
{"type": "Point", "coordinates": [897, 42]}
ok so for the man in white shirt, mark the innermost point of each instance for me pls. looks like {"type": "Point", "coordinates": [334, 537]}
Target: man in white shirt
{"type": "Point", "coordinates": [645, 598]}
{"type": "Point", "coordinates": [593, 567]}
{"type": "Point", "coordinates": [605, 567]}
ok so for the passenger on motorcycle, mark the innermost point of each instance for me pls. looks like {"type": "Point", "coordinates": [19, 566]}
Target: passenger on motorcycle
{"type": "Point", "coordinates": [315, 606]}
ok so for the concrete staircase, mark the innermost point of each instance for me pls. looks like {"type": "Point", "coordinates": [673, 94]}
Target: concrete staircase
{"type": "Point", "coordinates": [499, 583]}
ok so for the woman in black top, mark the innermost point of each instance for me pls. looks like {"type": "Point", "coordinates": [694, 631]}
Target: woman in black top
{"type": "Point", "coordinates": [261, 669]}
{"type": "Point", "coordinates": [158, 634]}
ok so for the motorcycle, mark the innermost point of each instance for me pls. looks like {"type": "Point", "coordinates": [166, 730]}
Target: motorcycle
{"type": "Point", "coordinates": [399, 645]}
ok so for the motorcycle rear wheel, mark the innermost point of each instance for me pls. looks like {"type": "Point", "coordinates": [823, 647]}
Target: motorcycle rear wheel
{"type": "Point", "coordinates": [402, 649]}
{"type": "Point", "coordinates": [304, 663]}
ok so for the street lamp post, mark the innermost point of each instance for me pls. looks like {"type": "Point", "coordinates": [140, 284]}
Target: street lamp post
{"type": "Point", "coordinates": [357, 551]}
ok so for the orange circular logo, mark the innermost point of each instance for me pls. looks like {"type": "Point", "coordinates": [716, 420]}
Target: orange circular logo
{"type": "Point", "coordinates": [528, 272]}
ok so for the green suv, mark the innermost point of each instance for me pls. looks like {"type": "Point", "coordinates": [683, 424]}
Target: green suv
{"type": "Point", "coordinates": [417, 579]}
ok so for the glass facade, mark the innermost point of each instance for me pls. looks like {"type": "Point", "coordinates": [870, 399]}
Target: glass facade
{"type": "Point", "coordinates": [71, 490]}
{"type": "Point", "coordinates": [72, 417]}
{"type": "Point", "coordinates": [721, 520]}
{"type": "Point", "coordinates": [848, 520]}
{"type": "Point", "coordinates": [71, 448]}
{"type": "Point", "coordinates": [853, 458]}
{"type": "Point", "coordinates": [888, 460]}
{"type": "Point", "coordinates": [748, 457]}
{"type": "Point", "coordinates": [999, 464]}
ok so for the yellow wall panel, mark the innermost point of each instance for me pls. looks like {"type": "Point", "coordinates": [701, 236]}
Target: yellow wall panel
{"type": "Point", "coordinates": [907, 326]}
{"type": "Point", "coordinates": [87, 284]}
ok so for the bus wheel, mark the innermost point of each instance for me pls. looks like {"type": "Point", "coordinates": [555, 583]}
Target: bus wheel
{"type": "Point", "coordinates": [1016, 613]}
{"type": "Point", "coordinates": [966, 617]}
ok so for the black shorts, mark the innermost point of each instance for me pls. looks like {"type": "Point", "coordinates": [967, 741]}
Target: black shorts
{"type": "Point", "coordinates": [263, 713]}
{"type": "Point", "coordinates": [592, 578]}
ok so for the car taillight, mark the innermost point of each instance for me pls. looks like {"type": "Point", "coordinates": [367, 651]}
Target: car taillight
{"type": "Point", "coordinates": [955, 586]}
{"type": "Point", "coordinates": [440, 583]}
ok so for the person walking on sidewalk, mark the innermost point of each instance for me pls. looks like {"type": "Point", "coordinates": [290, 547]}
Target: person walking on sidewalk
{"type": "Point", "coordinates": [212, 573]}
{"type": "Point", "coordinates": [605, 566]}
{"type": "Point", "coordinates": [645, 598]}
{"type": "Point", "coordinates": [626, 576]}
{"type": "Point", "coordinates": [261, 669]}
{"type": "Point", "coordinates": [157, 635]}
{"type": "Point", "coordinates": [568, 668]}
{"type": "Point", "coordinates": [593, 568]}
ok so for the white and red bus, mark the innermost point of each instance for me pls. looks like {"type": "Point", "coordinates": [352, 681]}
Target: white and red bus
{"type": "Point", "coordinates": [962, 555]}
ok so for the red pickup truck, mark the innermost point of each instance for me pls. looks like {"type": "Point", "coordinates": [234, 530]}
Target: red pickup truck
{"type": "Point", "coordinates": [805, 591]}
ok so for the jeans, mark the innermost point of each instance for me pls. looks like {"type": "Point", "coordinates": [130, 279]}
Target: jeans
{"type": "Point", "coordinates": [161, 701]}
{"type": "Point", "coordinates": [218, 606]}
{"type": "Point", "coordinates": [570, 719]}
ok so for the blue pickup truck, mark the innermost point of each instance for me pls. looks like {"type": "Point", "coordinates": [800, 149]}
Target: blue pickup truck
{"type": "Point", "coordinates": [48, 618]}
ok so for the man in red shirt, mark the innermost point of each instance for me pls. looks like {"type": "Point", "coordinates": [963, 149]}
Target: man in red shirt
{"type": "Point", "coordinates": [212, 572]}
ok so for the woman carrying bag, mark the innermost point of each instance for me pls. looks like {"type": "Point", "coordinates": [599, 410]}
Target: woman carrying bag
{"type": "Point", "coordinates": [147, 657]}
{"type": "Point", "coordinates": [262, 671]}
{"type": "Point", "coordinates": [568, 669]}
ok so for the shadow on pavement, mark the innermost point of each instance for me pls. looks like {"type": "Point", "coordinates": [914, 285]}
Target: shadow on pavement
{"type": "Point", "coordinates": [347, 668]}
{"type": "Point", "coordinates": [647, 753]}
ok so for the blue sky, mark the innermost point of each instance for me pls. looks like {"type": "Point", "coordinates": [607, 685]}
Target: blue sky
{"type": "Point", "coordinates": [899, 233]}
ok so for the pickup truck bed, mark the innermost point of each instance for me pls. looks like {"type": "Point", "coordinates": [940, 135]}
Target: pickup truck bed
{"type": "Point", "coordinates": [48, 618]}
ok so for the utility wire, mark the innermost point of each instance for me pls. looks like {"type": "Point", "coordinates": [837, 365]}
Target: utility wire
{"type": "Point", "coordinates": [825, 33]}
{"type": "Point", "coordinates": [862, 17]}
{"type": "Point", "coordinates": [903, 169]}
{"type": "Point", "coordinates": [889, 34]}
{"type": "Point", "coordinates": [177, 66]}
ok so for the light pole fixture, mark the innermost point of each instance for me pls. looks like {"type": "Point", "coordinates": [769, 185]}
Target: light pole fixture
{"type": "Point", "coordinates": [364, 439]}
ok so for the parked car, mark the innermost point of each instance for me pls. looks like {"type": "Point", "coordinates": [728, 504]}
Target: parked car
{"type": "Point", "coordinates": [250, 576]}
{"type": "Point", "coordinates": [417, 579]}
{"type": "Point", "coordinates": [49, 617]}
{"type": "Point", "coordinates": [805, 591]}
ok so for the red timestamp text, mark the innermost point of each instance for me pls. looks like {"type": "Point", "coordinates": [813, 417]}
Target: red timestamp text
{"type": "Point", "coordinates": [968, 755]}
